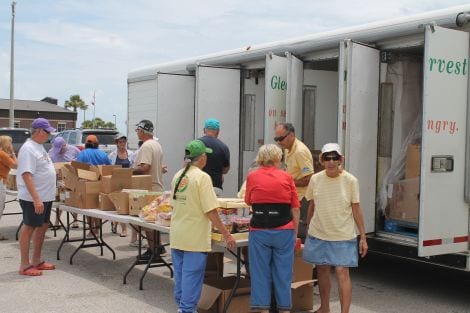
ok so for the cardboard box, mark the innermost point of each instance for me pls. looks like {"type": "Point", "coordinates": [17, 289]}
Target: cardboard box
{"type": "Point", "coordinates": [232, 203]}
{"type": "Point", "coordinates": [302, 296]}
{"type": "Point", "coordinates": [139, 199]}
{"type": "Point", "coordinates": [71, 198]}
{"type": "Point", "coordinates": [106, 170]}
{"type": "Point", "coordinates": [142, 182]}
{"type": "Point", "coordinates": [216, 291]}
{"type": "Point", "coordinates": [87, 194]}
{"type": "Point", "coordinates": [87, 175]}
{"type": "Point", "coordinates": [303, 271]}
{"type": "Point", "coordinates": [214, 265]}
{"type": "Point", "coordinates": [58, 169]}
{"type": "Point", "coordinates": [120, 179]}
{"type": "Point", "coordinates": [105, 202]}
{"type": "Point", "coordinates": [69, 176]}
{"type": "Point", "coordinates": [413, 161]}
{"type": "Point", "coordinates": [120, 201]}
{"type": "Point", "coordinates": [404, 201]}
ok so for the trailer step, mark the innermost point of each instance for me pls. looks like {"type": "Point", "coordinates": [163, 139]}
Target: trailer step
{"type": "Point", "coordinates": [401, 227]}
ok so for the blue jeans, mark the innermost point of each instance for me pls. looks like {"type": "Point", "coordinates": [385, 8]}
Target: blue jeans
{"type": "Point", "coordinates": [189, 270]}
{"type": "Point", "coordinates": [271, 256]}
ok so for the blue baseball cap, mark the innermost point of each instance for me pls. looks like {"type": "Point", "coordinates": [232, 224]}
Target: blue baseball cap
{"type": "Point", "coordinates": [212, 123]}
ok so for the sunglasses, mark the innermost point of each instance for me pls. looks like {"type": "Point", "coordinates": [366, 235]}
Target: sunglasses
{"type": "Point", "coordinates": [281, 138]}
{"type": "Point", "coordinates": [331, 158]}
{"type": "Point", "coordinates": [46, 131]}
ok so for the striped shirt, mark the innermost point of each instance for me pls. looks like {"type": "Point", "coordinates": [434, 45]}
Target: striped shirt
{"type": "Point", "coordinates": [333, 219]}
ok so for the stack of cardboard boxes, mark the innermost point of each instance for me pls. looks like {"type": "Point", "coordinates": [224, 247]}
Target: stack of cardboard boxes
{"type": "Point", "coordinates": [216, 289]}
{"type": "Point", "coordinates": [404, 194]}
{"type": "Point", "coordinates": [105, 187]}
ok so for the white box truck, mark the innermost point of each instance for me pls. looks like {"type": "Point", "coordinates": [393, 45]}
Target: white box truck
{"type": "Point", "coordinates": [394, 94]}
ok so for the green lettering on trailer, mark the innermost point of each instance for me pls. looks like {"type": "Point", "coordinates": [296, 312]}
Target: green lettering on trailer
{"type": "Point", "coordinates": [451, 67]}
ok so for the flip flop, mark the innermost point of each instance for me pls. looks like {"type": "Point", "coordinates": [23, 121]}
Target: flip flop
{"type": "Point", "coordinates": [30, 271]}
{"type": "Point", "coordinates": [44, 266]}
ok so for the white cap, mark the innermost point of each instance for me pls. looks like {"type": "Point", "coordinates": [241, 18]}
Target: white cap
{"type": "Point", "coordinates": [331, 147]}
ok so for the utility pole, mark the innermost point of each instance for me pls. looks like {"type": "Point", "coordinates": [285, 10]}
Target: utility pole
{"type": "Point", "coordinates": [12, 67]}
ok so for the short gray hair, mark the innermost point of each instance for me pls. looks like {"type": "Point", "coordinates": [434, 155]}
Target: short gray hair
{"type": "Point", "coordinates": [268, 155]}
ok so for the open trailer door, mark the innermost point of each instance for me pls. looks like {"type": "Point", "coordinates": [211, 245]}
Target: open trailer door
{"type": "Point", "coordinates": [294, 93]}
{"type": "Point", "coordinates": [358, 118]}
{"type": "Point", "coordinates": [218, 96]}
{"type": "Point", "coordinates": [443, 214]}
{"type": "Point", "coordinates": [175, 106]}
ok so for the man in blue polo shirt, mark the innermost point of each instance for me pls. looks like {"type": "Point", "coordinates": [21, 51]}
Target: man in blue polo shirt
{"type": "Point", "coordinates": [218, 162]}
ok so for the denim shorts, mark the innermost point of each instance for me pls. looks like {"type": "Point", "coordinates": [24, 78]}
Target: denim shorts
{"type": "Point", "coordinates": [30, 217]}
{"type": "Point", "coordinates": [336, 253]}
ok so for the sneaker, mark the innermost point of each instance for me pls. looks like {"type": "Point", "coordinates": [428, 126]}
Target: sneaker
{"type": "Point", "coordinates": [147, 255]}
{"type": "Point", "coordinates": [134, 244]}
{"type": "Point", "coordinates": [161, 250]}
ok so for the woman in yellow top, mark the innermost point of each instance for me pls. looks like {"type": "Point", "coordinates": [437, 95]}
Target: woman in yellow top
{"type": "Point", "coordinates": [194, 210]}
{"type": "Point", "coordinates": [7, 161]}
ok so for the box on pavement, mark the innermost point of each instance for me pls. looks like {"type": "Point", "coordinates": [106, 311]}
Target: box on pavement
{"type": "Point", "coordinates": [120, 179]}
{"type": "Point", "coordinates": [404, 200]}
{"type": "Point", "coordinates": [105, 202]}
{"type": "Point", "coordinates": [216, 291]}
{"type": "Point", "coordinates": [302, 270]}
{"type": "Point", "coordinates": [139, 199]}
{"type": "Point", "coordinates": [142, 182]}
{"type": "Point", "coordinates": [413, 161]}
{"type": "Point", "coordinates": [120, 201]}
{"type": "Point", "coordinates": [302, 296]}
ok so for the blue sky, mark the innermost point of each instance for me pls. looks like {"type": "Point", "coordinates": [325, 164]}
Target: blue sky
{"type": "Point", "coordinates": [66, 47]}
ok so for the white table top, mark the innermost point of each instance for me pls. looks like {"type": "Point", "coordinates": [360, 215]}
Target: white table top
{"type": "Point", "coordinates": [128, 219]}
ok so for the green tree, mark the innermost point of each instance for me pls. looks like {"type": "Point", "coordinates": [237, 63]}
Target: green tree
{"type": "Point", "coordinates": [75, 102]}
{"type": "Point", "coordinates": [98, 123]}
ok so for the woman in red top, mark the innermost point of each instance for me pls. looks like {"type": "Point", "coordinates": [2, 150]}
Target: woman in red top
{"type": "Point", "coordinates": [273, 229]}
{"type": "Point", "coordinates": [7, 161]}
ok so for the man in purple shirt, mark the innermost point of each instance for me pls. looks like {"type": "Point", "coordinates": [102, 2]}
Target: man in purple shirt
{"type": "Point", "coordinates": [62, 152]}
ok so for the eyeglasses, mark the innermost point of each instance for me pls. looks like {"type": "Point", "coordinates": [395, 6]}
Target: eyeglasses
{"type": "Point", "coordinates": [281, 138]}
{"type": "Point", "coordinates": [331, 158]}
{"type": "Point", "coordinates": [46, 131]}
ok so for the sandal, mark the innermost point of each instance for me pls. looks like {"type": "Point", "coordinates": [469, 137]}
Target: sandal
{"type": "Point", "coordinates": [30, 271]}
{"type": "Point", "coordinates": [44, 266]}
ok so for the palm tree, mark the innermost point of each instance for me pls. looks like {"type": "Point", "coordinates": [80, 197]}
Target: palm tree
{"type": "Point", "coordinates": [75, 102]}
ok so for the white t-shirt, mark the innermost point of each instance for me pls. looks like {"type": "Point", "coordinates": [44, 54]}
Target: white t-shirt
{"type": "Point", "coordinates": [34, 159]}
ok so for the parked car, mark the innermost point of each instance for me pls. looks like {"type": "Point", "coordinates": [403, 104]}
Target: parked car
{"type": "Point", "coordinates": [77, 137]}
{"type": "Point", "coordinates": [18, 136]}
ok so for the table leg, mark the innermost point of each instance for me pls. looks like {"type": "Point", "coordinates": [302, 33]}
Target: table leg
{"type": "Point", "coordinates": [66, 236]}
{"type": "Point", "coordinates": [237, 280]}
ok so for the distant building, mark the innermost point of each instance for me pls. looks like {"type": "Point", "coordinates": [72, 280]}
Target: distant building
{"type": "Point", "coordinates": [28, 110]}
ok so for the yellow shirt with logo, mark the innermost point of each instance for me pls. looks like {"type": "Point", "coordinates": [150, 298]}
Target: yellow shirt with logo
{"type": "Point", "coordinates": [333, 219]}
{"type": "Point", "coordinates": [190, 227]}
{"type": "Point", "coordinates": [299, 162]}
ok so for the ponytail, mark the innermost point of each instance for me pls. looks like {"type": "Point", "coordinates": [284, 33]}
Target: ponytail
{"type": "Point", "coordinates": [188, 162]}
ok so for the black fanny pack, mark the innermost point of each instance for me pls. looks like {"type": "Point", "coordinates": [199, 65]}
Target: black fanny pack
{"type": "Point", "coordinates": [270, 215]}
